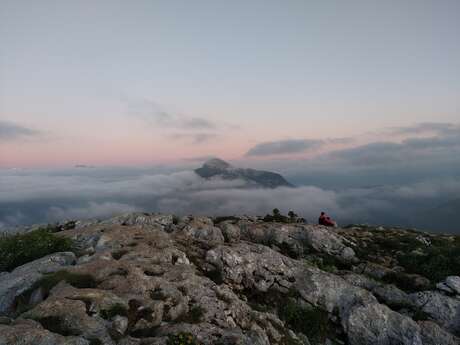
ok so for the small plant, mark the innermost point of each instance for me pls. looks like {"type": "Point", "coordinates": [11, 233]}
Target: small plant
{"type": "Point", "coordinates": [311, 321]}
{"type": "Point", "coordinates": [420, 315]}
{"type": "Point", "coordinates": [119, 254]}
{"type": "Point", "coordinates": [194, 315]}
{"type": "Point", "coordinates": [278, 217]}
{"type": "Point", "coordinates": [175, 219]}
{"type": "Point", "coordinates": [439, 261]}
{"type": "Point", "coordinates": [182, 339]}
{"type": "Point", "coordinates": [116, 309]}
{"type": "Point", "coordinates": [19, 249]}
{"type": "Point", "coordinates": [324, 263]}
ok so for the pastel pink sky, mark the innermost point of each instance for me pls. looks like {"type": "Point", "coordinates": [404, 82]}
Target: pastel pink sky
{"type": "Point", "coordinates": [118, 83]}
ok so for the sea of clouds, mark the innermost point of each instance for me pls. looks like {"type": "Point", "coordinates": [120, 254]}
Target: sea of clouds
{"type": "Point", "coordinates": [411, 183]}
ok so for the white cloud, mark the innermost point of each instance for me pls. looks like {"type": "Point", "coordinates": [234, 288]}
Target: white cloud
{"type": "Point", "coordinates": [91, 210]}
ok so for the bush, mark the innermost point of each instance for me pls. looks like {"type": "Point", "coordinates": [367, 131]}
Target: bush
{"type": "Point", "coordinates": [311, 321]}
{"type": "Point", "coordinates": [440, 260]}
{"type": "Point", "coordinates": [116, 309]}
{"type": "Point", "coordinates": [182, 339]}
{"type": "Point", "coordinates": [19, 249]}
{"type": "Point", "coordinates": [277, 217]}
{"type": "Point", "coordinates": [194, 315]}
{"type": "Point", "coordinates": [403, 281]}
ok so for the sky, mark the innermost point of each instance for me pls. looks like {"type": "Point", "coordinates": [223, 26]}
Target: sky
{"type": "Point", "coordinates": [355, 102]}
{"type": "Point", "coordinates": [154, 82]}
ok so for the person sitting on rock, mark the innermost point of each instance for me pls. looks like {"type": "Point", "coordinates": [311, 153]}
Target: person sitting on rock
{"type": "Point", "coordinates": [325, 220]}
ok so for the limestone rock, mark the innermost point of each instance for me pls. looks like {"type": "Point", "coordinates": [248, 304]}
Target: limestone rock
{"type": "Point", "coordinates": [230, 231]}
{"type": "Point", "coordinates": [444, 310]}
{"type": "Point", "coordinates": [155, 276]}
{"type": "Point", "coordinates": [24, 277]}
{"type": "Point", "coordinates": [31, 333]}
{"type": "Point", "coordinates": [432, 334]}
{"type": "Point", "coordinates": [377, 324]}
{"type": "Point", "coordinates": [453, 282]}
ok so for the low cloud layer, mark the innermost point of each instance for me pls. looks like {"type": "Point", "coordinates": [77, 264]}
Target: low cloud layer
{"type": "Point", "coordinates": [411, 183]}
{"type": "Point", "coordinates": [11, 131]}
{"type": "Point", "coordinates": [39, 198]}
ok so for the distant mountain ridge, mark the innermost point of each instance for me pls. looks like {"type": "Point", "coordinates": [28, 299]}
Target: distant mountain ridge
{"type": "Point", "coordinates": [255, 178]}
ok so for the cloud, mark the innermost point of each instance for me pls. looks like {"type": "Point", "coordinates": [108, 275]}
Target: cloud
{"type": "Point", "coordinates": [397, 183]}
{"type": "Point", "coordinates": [11, 131]}
{"type": "Point", "coordinates": [427, 127]}
{"type": "Point", "coordinates": [284, 147]}
{"type": "Point", "coordinates": [154, 114]}
{"type": "Point", "coordinates": [91, 210]}
{"type": "Point", "coordinates": [41, 196]}
{"type": "Point", "coordinates": [292, 146]}
{"type": "Point", "coordinates": [199, 159]}
{"type": "Point", "coordinates": [195, 138]}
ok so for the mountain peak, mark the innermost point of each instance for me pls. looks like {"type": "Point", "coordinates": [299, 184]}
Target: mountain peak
{"type": "Point", "coordinates": [255, 178]}
{"type": "Point", "coordinates": [216, 163]}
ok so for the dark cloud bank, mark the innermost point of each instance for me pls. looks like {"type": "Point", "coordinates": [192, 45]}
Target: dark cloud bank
{"type": "Point", "coordinates": [414, 183]}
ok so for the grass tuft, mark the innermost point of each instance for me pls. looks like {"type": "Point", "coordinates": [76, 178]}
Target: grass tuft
{"type": "Point", "coordinates": [116, 309]}
{"type": "Point", "coordinates": [182, 339]}
{"type": "Point", "coordinates": [309, 320]}
{"type": "Point", "coordinates": [19, 249]}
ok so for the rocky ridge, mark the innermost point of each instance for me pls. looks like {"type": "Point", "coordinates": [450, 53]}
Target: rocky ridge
{"type": "Point", "coordinates": [141, 279]}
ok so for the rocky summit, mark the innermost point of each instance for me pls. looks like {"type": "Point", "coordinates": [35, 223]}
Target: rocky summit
{"type": "Point", "coordinates": [217, 168]}
{"type": "Point", "coordinates": [142, 279]}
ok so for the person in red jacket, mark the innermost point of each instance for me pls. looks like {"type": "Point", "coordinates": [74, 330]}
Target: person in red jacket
{"type": "Point", "coordinates": [325, 220]}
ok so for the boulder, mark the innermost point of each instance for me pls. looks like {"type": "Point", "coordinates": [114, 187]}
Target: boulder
{"type": "Point", "coordinates": [230, 231]}
{"type": "Point", "coordinates": [376, 324]}
{"type": "Point", "coordinates": [432, 334]}
{"type": "Point", "coordinates": [453, 282]}
{"type": "Point", "coordinates": [24, 277]}
{"type": "Point", "coordinates": [70, 317]}
{"type": "Point", "coordinates": [28, 332]}
{"type": "Point", "coordinates": [392, 296]}
{"type": "Point", "coordinates": [444, 310]}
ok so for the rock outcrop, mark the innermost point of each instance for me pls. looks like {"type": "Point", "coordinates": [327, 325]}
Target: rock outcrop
{"type": "Point", "coordinates": [143, 279]}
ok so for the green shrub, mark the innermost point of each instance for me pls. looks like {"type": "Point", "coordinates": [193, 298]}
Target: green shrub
{"type": "Point", "coordinates": [420, 315]}
{"type": "Point", "coordinates": [440, 260]}
{"type": "Point", "coordinates": [194, 315]}
{"type": "Point", "coordinates": [182, 339]}
{"type": "Point", "coordinates": [175, 219]}
{"type": "Point", "coordinates": [116, 309]}
{"type": "Point", "coordinates": [311, 321]}
{"type": "Point", "coordinates": [402, 281]}
{"type": "Point", "coordinates": [19, 249]}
